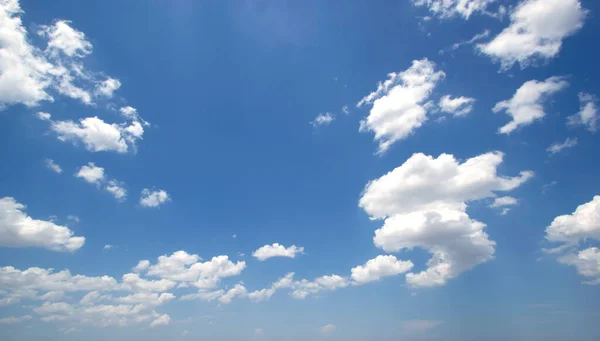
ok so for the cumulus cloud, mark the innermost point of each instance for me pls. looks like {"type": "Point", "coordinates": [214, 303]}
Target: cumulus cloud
{"type": "Point", "coordinates": [452, 8]}
{"type": "Point", "coordinates": [131, 114]}
{"type": "Point", "coordinates": [526, 106]}
{"type": "Point", "coordinates": [135, 283]}
{"type": "Point", "coordinates": [147, 298]}
{"type": "Point", "coordinates": [53, 166]}
{"type": "Point", "coordinates": [47, 280]}
{"type": "Point", "coordinates": [379, 267]}
{"type": "Point", "coordinates": [399, 104]}
{"type": "Point", "coordinates": [97, 135]}
{"type": "Point", "coordinates": [141, 266]}
{"type": "Point", "coordinates": [91, 173]}
{"type": "Point", "coordinates": [559, 147]}
{"type": "Point", "coordinates": [17, 229]}
{"type": "Point", "coordinates": [116, 188]}
{"type": "Point", "coordinates": [304, 287]}
{"type": "Point", "coordinates": [424, 205]}
{"type": "Point", "coordinates": [322, 120]}
{"type": "Point", "coordinates": [587, 263]}
{"type": "Point", "coordinates": [153, 198]}
{"type": "Point", "coordinates": [237, 291]}
{"type": "Point", "coordinates": [107, 87]}
{"type": "Point", "coordinates": [62, 38]}
{"type": "Point", "coordinates": [44, 116]}
{"type": "Point", "coordinates": [276, 250]}
{"type": "Point", "coordinates": [579, 225]}
{"type": "Point", "coordinates": [536, 31]}
{"type": "Point", "coordinates": [588, 113]}
{"type": "Point", "coordinates": [504, 201]}
{"type": "Point", "coordinates": [459, 106]}
{"type": "Point", "coordinates": [265, 294]}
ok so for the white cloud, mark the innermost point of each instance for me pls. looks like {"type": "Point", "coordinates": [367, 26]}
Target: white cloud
{"type": "Point", "coordinates": [525, 106]}
{"type": "Point", "coordinates": [345, 109]}
{"type": "Point", "coordinates": [475, 38]}
{"type": "Point", "coordinates": [48, 280]}
{"type": "Point", "coordinates": [63, 38]}
{"type": "Point", "coordinates": [304, 287]}
{"type": "Point", "coordinates": [107, 87]}
{"type": "Point", "coordinates": [451, 8]}
{"type": "Point", "coordinates": [322, 120]}
{"type": "Point", "coordinates": [91, 173]}
{"type": "Point", "coordinates": [142, 266]}
{"type": "Point", "coordinates": [378, 267]}
{"type": "Point", "coordinates": [536, 32]}
{"type": "Point", "coordinates": [131, 114]}
{"type": "Point", "coordinates": [424, 205]}
{"type": "Point", "coordinates": [399, 104]}
{"type": "Point", "coordinates": [53, 296]}
{"type": "Point", "coordinates": [53, 166]}
{"type": "Point", "coordinates": [116, 189]}
{"type": "Point", "coordinates": [135, 283]}
{"type": "Point", "coordinates": [24, 72]}
{"type": "Point", "coordinates": [328, 329]}
{"type": "Point", "coordinates": [15, 319]}
{"type": "Point", "coordinates": [237, 290]}
{"type": "Point", "coordinates": [151, 299]}
{"type": "Point", "coordinates": [202, 295]}
{"type": "Point", "coordinates": [504, 201]}
{"type": "Point", "coordinates": [588, 113]}
{"type": "Point", "coordinates": [98, 135]}
{"type": "Point", "coordinates": [162, 320]}
{"type": "Point", "coordinates": [153, 198]}
{"type": "Point", "coordinates": [276, 250]}
{"type": "Point", "coordinates": [44, 116]}
{"type": "Point", "coordinates": [419, 326]}
{"type": "Point", "coordinates": [582, 224]}
{"type": "Point", "coordinates": [458, 106]}
{"type": "Point", "coordinates": [558, 147]}
{"type": "Point", "coordinates": [17, 229]}
{"type": "Point", "coordinates": [108, 247]}
{"type": "Point", "coordinates": [587, 263]}
{"type": "Point", "coordinates": [265, 294]}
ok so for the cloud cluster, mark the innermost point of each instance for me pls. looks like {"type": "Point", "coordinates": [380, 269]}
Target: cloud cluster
{"type": "Point", "coordinates": [451, 8]}
{"type": "Point", "coordinates": [276, 250]}
{"type": "Point", "coordinates": [95, 175]}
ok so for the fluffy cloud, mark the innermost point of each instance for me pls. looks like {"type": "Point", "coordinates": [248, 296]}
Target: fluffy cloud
{"type": "Point", "coordinates": [399, 104]}
{"type": "Point", "coordinates": [581, 224]}
{"type": "Point", "coordinates": [237, 291]}
{"type": "Point", "coordinates": [504, 201]}
{"type": "Point", "coordinates": [536, 31]}
{"type": "Point", "coordinates": [135, 283]}
{"type": "Point", "coordinates": [525, 106]}
{"type": "Point", "coordinates": [588, 113]}
{"type": "Point", "coordinates": [63, 38]}
{"type": "Point", "coordinates": [276, 250]}
{"type": "Point", "coordinates": [53, 296]}
{"type": "Point", "coordinates": [97, 135]}
{"type": "Point", "coordinates": [107, 87]}
{"type": "Point", "coordinates": [48, 280]}
{"type": "Point", "coordinates": [303, 288]}
{"type": "Point", "coordinates": [558, 147]}
{"type": "Point", "coordinates": [183, 267]}
{"type": "Point", "coordinates": [131, 114]}
{"type": "Point", "coordinates": [17, 229]}
{"type": "Point", "coordinates": [451, 8]}
{"type": "Point", "coordinates": [116, 188]}
{"type": "Point", "coordinates": [91, 173]}
{"type": "Point", "coordinates": [44, 116]}
{"type": "Point", "coordinates": [381, 266]}
{"type": "Point", "coordinates": [265, 294]}
{"type": "Point", "coordinates": [15, 319]}
{"type": "Point", "coordinates": [24, 73]}
{"type": "Point", "coordinates": [322, 120]}
{"type": "Point", "coordinates": [587, 263]}
{"type": "Point", "coordinates": [53, 166]}
{"type": "Point", "coordinates": [147, 298]}
{"type": "Point", "coordinates": [458, 106]}
{"type": "Point", "coordinates": [141, 266]}
{"type": "Point", "coordinates": [153, 198]}
{"type": "Point", "coordinates": [424, 205]}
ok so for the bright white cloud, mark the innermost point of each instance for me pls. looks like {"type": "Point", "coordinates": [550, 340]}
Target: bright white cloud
{"type": "Point", "coordinates": [142, 266]}
{"type": "Point", "coordinates": [399, 103]}
{"type": "Point", "coordinates": [131, 114]}
{"type": "Point", "coordinates": [153, 198]}
{"type": "Point", "coordinates": [322, 120]}
{"type": "Point", "coordinates": [237, 291]}
{"type": "Point", "coordinates": [15, 319]}
{"type": "Point", "coordinates": [116, 189]}
{"type": "Point", "coordinates": [587, 263]}
{"type": "Point", "coordinates": [276, 250]}
{"type": "Point", "coordinates": [44, 116]}
{"type": "Point", "coordinates": [559, 147]}
{"type": "Point", "coordinates": [303, 288]}
{"type": "Point", "coordinates": [582, 224]}
{"type": "Point", "coordinates": [53, 296]}
{"type": "Point", "coordinates": [63, 38]}
{"type": "Point", "coordinates": [135, 283]}
{"type": "Point", "coordinates": [265, 294]}
{"type": "Point", "coordinates": [53, 166]}
{"type": "Point", "coordinates": [526, 106]}
{"type": "Point", "coordinates": [328, 329]}
{"type": "Point", "coordinates": [451, 8]}
{"type": "Point", "coordinates": [504, 201]}
{"type": "Point", "coordinates": [459, 106]}
{"type": "Point", "coordinates": [48, 280]}
{"type": "Point", "coordinates": [17, 229]}
{"type": "Point", "coordinates": [147, 298]}
{"type": "Point", "coordinates": [424, 205]}
{"type": "Point", "coordinates": [91, 173]}
{"type": "Point", "coordinates": [588, 113]}
{"type": "Point", "coordinates": [107, 87]}
{"type": "Point", "coordinates": [381, 266]}
{"type": "Point", "coordinates": [536, 31]}
{"type": "Point", "coordinates": [98, 135]}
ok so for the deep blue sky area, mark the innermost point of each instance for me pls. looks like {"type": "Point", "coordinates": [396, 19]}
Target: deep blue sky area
{"type": "Point", "coordinates": [252, 138]}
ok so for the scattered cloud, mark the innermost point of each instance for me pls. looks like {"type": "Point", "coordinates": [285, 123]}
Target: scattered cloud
{"type": "Point", "coordinates": [108, 247]}
{"type": "Point", "coordinates": [526, 106]}
{"type": "Point", "coordinates": [345, 109]}
{"type": "Point", "coordinates": [53, 166]}
{"type": "Point", "coordinates": [558, 147]}
{"type": "Point", "coordinates": [116, 188]}
{"type": "Point", "coordinates": [476, 38]}
{"type": "Point", "coordinates": [381, 266]}
{"type": "Point", "coordinates": [452, 8]}
{"type": "Point", "coordinates": [15, 319]}
{"type": "Point", "coordinates": [95, 175]}
{"type": "Point", "coordinates": [62, 38]}
{"type": "Point", "coordinates": [153, 198]}
{"type": "Point", "coordinates": [587, 263]}
{"type": "Point", "coordinates": [322, 120]}
{"type": "Point", "coordinates": [536, 31]}
{"type": "Point", "coordinates": [549, 186]}
{"type": "Point", "coordinates": [588, 113]}
{"type": "Point", "coordinates": [459, 106]}
{"type": "Point", "coordinates": [107, 87]}
{"type": "Point", "coordinates": [17, 229]}
{"type": "Point", "coordinates": [44, 116]}
{"type": "Point", "coordinates": [276, 250]}
{"type": "Point", "coordinates": [419, 326]}
{"type": "Point", "coordinates": [504, 201]}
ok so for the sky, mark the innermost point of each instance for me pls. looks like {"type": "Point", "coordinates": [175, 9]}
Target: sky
{"type": "Point", "coordinates": [299, 170]}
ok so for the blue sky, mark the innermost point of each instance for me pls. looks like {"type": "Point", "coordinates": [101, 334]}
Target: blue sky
{"type": "Point", "coordinates": [268, 170]}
